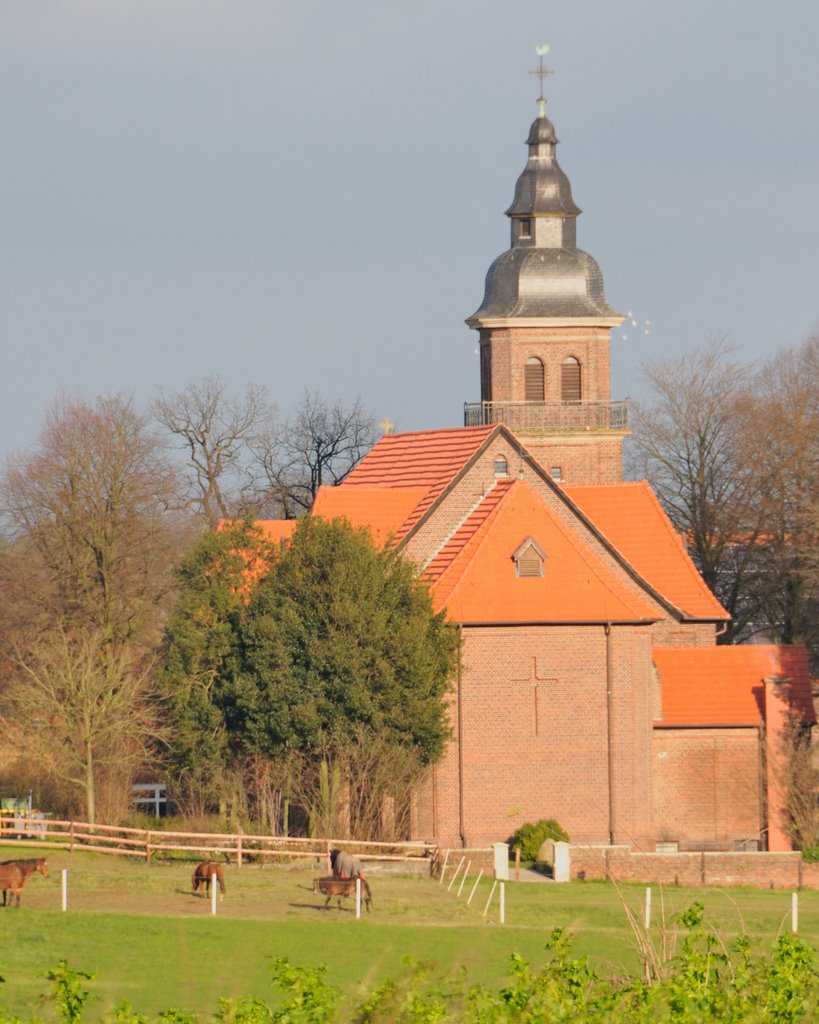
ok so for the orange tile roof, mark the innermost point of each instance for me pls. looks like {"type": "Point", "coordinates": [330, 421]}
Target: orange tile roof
{"type": "Point", "coordinates": [428, 459]}
{"type": "Point", "coordinates": [631, 518]}
{"type": "Point", "coordinates": [474, 574]}
{"type": "Point", "coordinates": [723, 685]}
{"type": "Point", "coordinates": [277, 529]}
{"type": "Point", "coordinates": [382, 509]}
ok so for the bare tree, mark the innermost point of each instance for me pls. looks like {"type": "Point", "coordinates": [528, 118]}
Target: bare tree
{"type": "Point", "coordinates": [218, 434]}
{"type": "Point", "coordinates": [783, 420]}
{"type": "Point", "coordinates": [319, 444]}
{"type": "Point", "coordinates": [692, 445]}
{"type": "Point", "coordinates": [799, 779]}
{"type": "Point", "coordinates": [91, 541]}
{"type": "Point", "coordinates": [82, 713]}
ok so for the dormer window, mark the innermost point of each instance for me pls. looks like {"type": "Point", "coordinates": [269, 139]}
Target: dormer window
{"type": "Point", "coordinates": [501, 466]}
{"type": "Point", "coordinates": [529, 560]}
{"type": "Point", "coordinates": [525, 227]}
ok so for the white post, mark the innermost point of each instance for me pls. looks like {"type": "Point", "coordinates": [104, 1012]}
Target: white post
{"type": "Point", "coordinates": [491, 894]}
{"type": "Point", "coordinates": [452, 880]}
{"type": "Point", "coordinates": [463, 878]}
{"type": "Point", "coordinates": [474, 887]}
{"type": "Point", "coordinates": [443, 869]}
{"type": "Point", "coordinates": [648, 907]}
{"type": "Point", "coordinates": [357, 898]}
{"type": "Point", "coordinates": [503, 903]}
{"type": "Point", "coordinates": [794, 913]}
{"type": "Point", "coordinates": [65, 888]}
{"type": "Point", "coordinates": [213, 883]}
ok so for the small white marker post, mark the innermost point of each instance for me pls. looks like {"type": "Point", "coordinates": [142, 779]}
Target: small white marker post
{"type": "Point", "coordinates": [463, 877]}
{"type": "Point", "coordinates": [794, 913]}
{"type": "Point", "coordinates": [491, 894]}
{"type": "Point", "coordinates": [65, 888]}
{"type": "Point", "coordinates": [648, 908]}
{"type": "Point", "coordinates": [503, 903]}
{"type": "Point", "coordinates": [443, 869]}
{"type": "Point", "coordinates": [213, 884]}
{"type": "Point", "coordinates": [475, 886]}
{"type": "Point", "coordinates": [357, 898]}
{"type": "Point", "coordinates": [452, 880]}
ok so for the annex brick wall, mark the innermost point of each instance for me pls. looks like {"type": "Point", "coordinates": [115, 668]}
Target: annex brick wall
{"type": "Point", "coordinates": [765, 870]}
{"type": "Point", "coordinates": [707, 785]}
{"type": "Point", "coordinates": [533, 738]}
{"type": "Point", "coordinates": [670, 633]}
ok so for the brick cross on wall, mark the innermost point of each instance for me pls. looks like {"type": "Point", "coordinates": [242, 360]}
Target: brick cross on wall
{"type": "Point", "coordinates": [535, 679]}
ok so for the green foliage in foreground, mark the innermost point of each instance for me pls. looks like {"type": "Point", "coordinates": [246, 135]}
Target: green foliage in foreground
{"type": "Point", "coordinates": [706, 981]}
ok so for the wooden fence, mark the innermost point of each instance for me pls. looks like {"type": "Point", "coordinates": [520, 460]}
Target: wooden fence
{"type": "Point", "coordinates": [145, 843]}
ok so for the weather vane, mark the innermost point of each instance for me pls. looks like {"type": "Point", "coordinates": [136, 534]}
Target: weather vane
{"type": "Point", "coordinates": [541, 73]}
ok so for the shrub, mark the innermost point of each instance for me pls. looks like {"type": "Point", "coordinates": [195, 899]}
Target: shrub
{"type": "Point", "coordinates": [532, 835]}
{"type": "Point", "coordinates": [811, 854]}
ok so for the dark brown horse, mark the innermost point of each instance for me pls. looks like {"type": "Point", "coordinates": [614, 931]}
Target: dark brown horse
{"type": "Point", "coordinates": [15, 873]}
{"type": "Point", "coordinates": [204, 872]}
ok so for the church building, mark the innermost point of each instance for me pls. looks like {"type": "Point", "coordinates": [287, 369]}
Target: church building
{"type": "Point", "coordinates": [591, 689]}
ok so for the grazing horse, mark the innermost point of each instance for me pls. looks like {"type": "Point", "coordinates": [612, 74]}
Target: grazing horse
{"type": "Point", "coordinates": [340, 888]}
{"type": "Point", "coordinates": [15, 873]}
{"type": "Point", "coordinates": [204, 872]}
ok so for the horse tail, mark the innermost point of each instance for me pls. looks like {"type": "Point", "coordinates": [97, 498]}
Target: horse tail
{"type": "Point", "coordinates": [220, 875]}
{"type": "Point", "coordinates": [366, 885]}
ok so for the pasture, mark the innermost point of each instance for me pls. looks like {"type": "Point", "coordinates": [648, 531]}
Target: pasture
{"type": "Point", "coordinates": [149, 940]}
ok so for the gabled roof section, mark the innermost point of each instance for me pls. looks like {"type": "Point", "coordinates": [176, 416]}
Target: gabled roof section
{"type": "Point", "coordinates": [631, 518]}
{"type": "Point", "coordinates": [426, 459]}
{"type": "Point", "coordinates": [277, 530]}
{"type": "Point", "coordinates": [382, 510]}
{"type": "Point", "coordinates": [724, 685]}
{"type": "Point", "coordinates": [474, 574]}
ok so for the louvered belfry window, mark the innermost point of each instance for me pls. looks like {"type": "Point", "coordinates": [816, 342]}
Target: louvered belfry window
{"type": "Point", "coordinates": [533, 380]}
{"type": "Point", "coordinates": [529, 559]}
{"type": "Point", "coordinates": [570, 380]}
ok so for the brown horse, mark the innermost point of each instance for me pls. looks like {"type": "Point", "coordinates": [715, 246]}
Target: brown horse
{"type": "Point", "coordinates": [204, 872]}
{"type": "Point", "coordinates": [339, 888]}
{"type": "Point", "coordinates": [15, 873]}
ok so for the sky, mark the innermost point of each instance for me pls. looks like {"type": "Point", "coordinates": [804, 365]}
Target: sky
{"type": "Point", "coordinates": [307, 195]}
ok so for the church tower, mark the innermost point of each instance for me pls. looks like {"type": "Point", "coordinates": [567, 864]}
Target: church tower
{"type": "Point", "coordinates": [544, 329]}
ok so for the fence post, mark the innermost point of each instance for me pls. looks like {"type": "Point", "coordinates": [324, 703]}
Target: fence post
{"type": "Point", "coordinates": [214, 881]}
{"type": "Point", "coordinates": [503, 903]}
{"type": "Point", "coordinates": [452, 880]}
{"type": "Point", "coordinates": [65, 889]}
{"type": "Point", "coordinates": [794, 913]}
{"type": "Point", "coordinates": [463, 877]}
{"type": "Point", "coordinates": [517, 863]}
{"type": "Point", "coordinates": [443, 869]}
{"type": "Point", "coordinates": [239, 850]}
{"type": "Point", "coordinates": [147, 846]}
{"type": "Point", "coordinates": [648, 907]}
{"type": "Point", "coordinates": [474, 887]}
{"type": "Point", "coordinates": [71, 841]}
{"type": "Point", "coordinates": [357, 897]}
{"type": "Point", "coordinates": [491, 894]}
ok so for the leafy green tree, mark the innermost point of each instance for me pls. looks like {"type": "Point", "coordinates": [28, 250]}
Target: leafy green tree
{"type": "Point", "coordinates": [202, 657]}
{"type": "Point", "coordinates": [340, 636]}
{"type": "Point", "coordinates": [282, 655]}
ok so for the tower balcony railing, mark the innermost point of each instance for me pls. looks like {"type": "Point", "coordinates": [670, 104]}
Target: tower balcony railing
{"type": "Point", "coordinates": [549, 417]}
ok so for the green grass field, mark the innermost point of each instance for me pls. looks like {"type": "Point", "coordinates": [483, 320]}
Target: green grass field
{"type": "Point", "coordinates": [150, 941]}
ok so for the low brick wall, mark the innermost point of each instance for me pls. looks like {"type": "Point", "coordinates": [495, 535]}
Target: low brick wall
{"type": "Point", "coordinates": [764, 870]}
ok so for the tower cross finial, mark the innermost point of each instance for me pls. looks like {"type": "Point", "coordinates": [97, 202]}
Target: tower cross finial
{"type": "Point", "coordinates": [541, 73]}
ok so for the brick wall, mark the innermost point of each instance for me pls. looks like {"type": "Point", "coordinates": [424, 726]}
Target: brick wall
{"type": "Point", "coordinates": [707, 784]}
{"type": "Point", "coordinates": [765, 870]}
{"type": "Point", "coordinates": [511, 347]}
{"type": "Point", "coordinates": [582, 459]}
{"type": "Point", "coordinates": [523, 752]}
